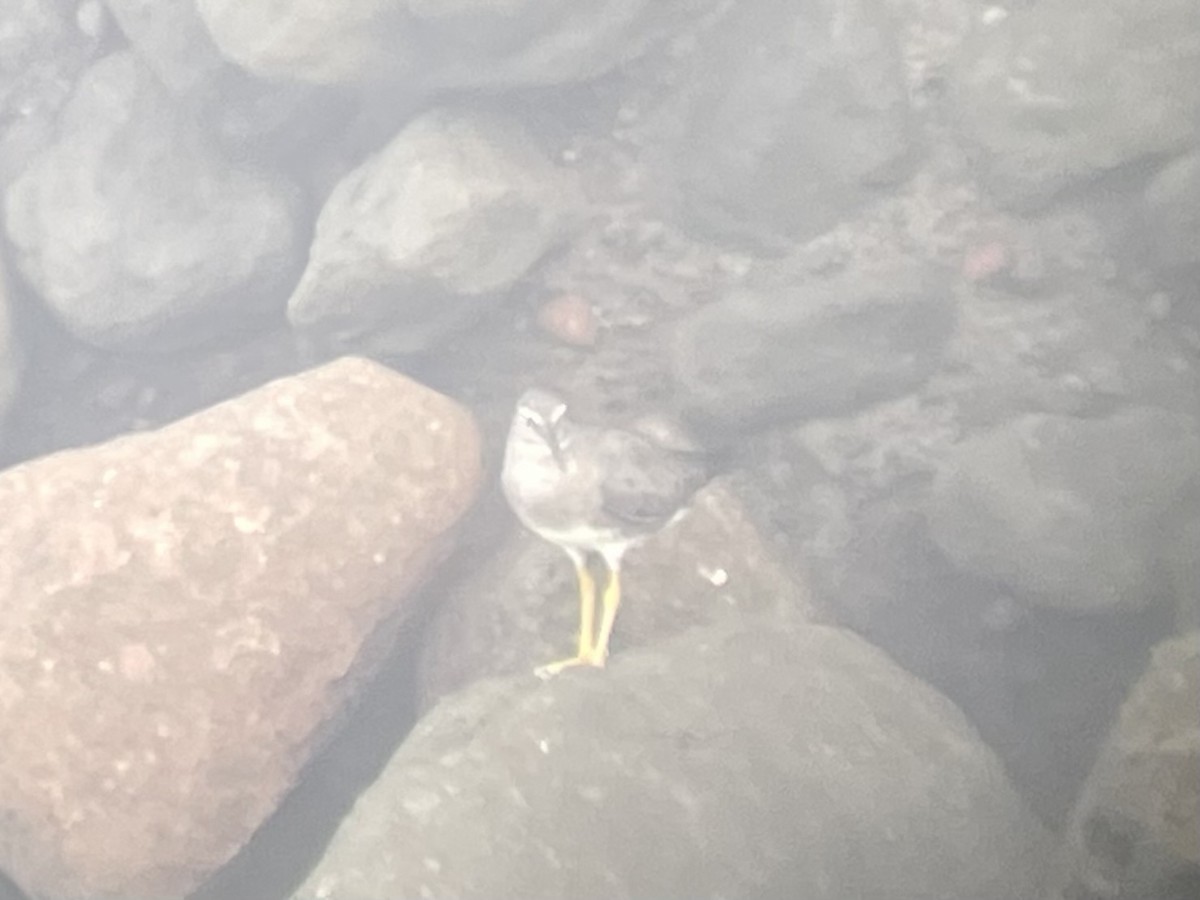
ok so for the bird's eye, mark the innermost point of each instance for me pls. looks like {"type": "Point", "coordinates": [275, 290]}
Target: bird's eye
{"type": "Point", "coordinates": [531, 421]}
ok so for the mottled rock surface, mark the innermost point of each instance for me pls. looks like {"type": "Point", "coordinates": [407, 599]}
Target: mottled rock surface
{"type": "Point", "coordinates": [425, 46]}
{"type": "Point", "coordinates": [135, 232]}
{"type": "Point", "coordinates": [751, 760]}
{"type": "Point", "coordinates": [1056, 95]}
{"type": "Point", "coordinates": [1136, 829]}
{"type": "Point", "coordinates": [800, 117]}
{"type": "Point", "coordinates": [430, 231]}
{"type": "Point", "coordinates": [795, 348]}
{"type": "Point", "coordinates": [522, 609]}
{"type": "Point", "coordinates": [1067, 512]}
{"type": "Point", "coordinates": [188, 611]}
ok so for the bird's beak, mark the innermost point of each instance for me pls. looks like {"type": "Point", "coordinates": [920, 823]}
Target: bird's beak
{"type": "Point", "coordinates": [550, 436]}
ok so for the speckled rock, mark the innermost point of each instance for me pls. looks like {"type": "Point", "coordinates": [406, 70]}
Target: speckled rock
{"type": "Point", "coordinates": [1055, 95]}
{"type": "Point", "coordinates": [1136, 829]}
{"type": "Point", "coordinates": [188, 612]}
{"type": "Point", "coordinates": [11, 355]}
{"type": "Point", "coordinates": [42, 51]}
{"type": "Point", "coordinates": [793, 348]}
{"type": "Point", "coordinates": [759, 759]}
{"type": "Point", "coordinates": [1066, 512]}
{"type": "Point", "coordinates": [136, 233]}
{"type": "Point", "coordinates": [799, 117]}
{"type": "Point", "coordinates": [426, 46]}
{"type": "Point", "coordinates": [429, 232]}
{"type": "Point", "coordinates": [522, 609]}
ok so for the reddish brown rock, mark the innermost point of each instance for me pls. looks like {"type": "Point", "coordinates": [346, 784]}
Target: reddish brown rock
{"type": "Point", "coordinates": [185, 615]}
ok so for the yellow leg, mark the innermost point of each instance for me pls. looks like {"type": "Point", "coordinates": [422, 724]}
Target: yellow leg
{"type": "Point", "coordinates": [611, 603]}
{"type": "Point", "coordinates": [587, 621]}
{"type": "Point", "coordinates": [587, 607]}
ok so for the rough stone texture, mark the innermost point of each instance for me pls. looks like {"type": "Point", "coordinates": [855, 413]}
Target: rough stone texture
{"type": "Point", "coordinates": [429, 232]}
{"type": "Point", "coordinates": [248, 115]}
{"type": "Point", "coordinates": [800, 116]}
{"type": "Point", "coordinates": [188, 611]}
{"type": "Point", "coordinates": [1136, 829]}
{"type": "Point", "coordinates": [1063, 336]}
{"type": "Point", "coordinates": [134, 231]}
{"type": "Point", "coordinates": [1056, 95]}
{"type": "Point", "coordinates": [426, 46]}
{"type": "Point", "coordinates": [762, 759]}
{"type": "Point", "coordinates": [791, 349]}
{"type": "Point", "coordinates": [1171, 222]}
{"type": "Point", "coordinates": [11, 353]}
{"type": "Point", "coordinates": [42, 51]}
{"type": "Point", "coordinates": [522, 609]}
{"type": "Point", "coordinates": [1069, 513]}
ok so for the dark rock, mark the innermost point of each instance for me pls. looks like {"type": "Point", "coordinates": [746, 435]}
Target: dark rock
{"type": "Point", "coordinates": [1055, 97]}
{"type": "Point", "coordinates": [250, 117]}
{"type": "Point", "coordinates": [1170, 233]}
{"type": "Point", "coordinates": [756, 760]}
{"type": "Point", "coordinates": [1136, 830]}
{"type": "Point", "coordinates": [800, 117]}
{"type": "Point", "coordinates": [425, 46]}
{"type": "Point", "coordinates": [137, 234]}
{"type": "Point", "coordinates": [42, 52]}
{"type": "Point", "coordinates": [189, 612]}
{"type": "Point", "coordinates": [429, 232]}
{"type": "Point", "coordinates": [11, 354]}
{"type": "Point", "coordinates": [522, 609]}
{"type": "Point", "coordinates": [802, 350]}
{"type": "Point", "coordinates": [1069, 513]}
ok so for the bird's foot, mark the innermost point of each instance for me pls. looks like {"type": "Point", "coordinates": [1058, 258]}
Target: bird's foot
{"type": "Point", "coordinates": [549, 670]}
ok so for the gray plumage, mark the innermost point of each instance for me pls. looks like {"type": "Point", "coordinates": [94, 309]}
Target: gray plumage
{"type": "Point", "coordinates": [588, 488]}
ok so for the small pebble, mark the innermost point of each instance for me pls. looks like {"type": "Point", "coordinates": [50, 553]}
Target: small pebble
{"type": "Point", "coordinates": [984, 261]}
{"type": "Point", "coordinates": [570, 319]}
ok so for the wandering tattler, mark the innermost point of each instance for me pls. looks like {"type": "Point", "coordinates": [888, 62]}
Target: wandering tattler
{"type": "Point", "coordinates": [594, 490]}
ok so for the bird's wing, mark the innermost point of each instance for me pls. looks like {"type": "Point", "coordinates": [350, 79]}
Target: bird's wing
{"type": "Point", "coordinates": [644, 483]}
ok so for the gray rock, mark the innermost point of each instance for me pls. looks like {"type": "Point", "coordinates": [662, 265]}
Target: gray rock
{"type": "Point", "coordinates": [1136, 830]}
{"type": "Point", "coordinates": [189, 612]}
{"type": "Point", "coordinates": [137, 234]}
{"type": "Point", "coordinates": [427, 46]}
{"type": "Point", "coordinates": [1069, 513]}
{"type": "Point", "coordinates": [521, 609]}
{"type": "Point", "coordinates": [429, 232]}
{"type": "Point", "coordinates": [12, 357]}
{"type": "Point", "coordinates": [757, 760]}
{"type": "Point", "coordinates": [1054, 95]}
{"type": "Point", "coordinates": [799, 118]}
{"type": "Point", "coordinates": [827, 348]}
{"type": "Point", "coordinates": [42, 52]}
{"type": "Point", "coordinates": [243, 112]}
{"type": "Point", "coordinates": [1171, 221]}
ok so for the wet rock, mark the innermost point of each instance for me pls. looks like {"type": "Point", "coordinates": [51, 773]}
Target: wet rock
{"type": "Point", "coordinates": [522, 609]}
{"type": "Point", "coordinates": [138, 235]}
{"type": "Point", "coordinates": [188, 613]}
{"type": "Point", "coordinates": [810, 349]}
{"type": "Point", "coordinates": [756, 759]}
{"type": "Point", "coordinates": [1136, 829]}
{"type": "Point", "coordinates": [426, 46]}
{"type": "Point", "coordinates": [1069, 513]}
{"type": "Point", "coordinates": [800, 117]}
{"type": "Point", "coordinates": [246, 114]}
{"type": "Point", "coordinates": [43, 48]}
{"type": "Point", "coordinates": [430, 232]}
{"type": "Point", "coordinates": [11, 355]}
{"type": "Point", "coordinates": [1170, 233]}
{"type": "Point", "coordinates": [1055, 96]}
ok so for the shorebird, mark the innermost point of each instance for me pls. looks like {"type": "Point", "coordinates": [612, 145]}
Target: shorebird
{"type": "Point", "coordinates": [595, 491]}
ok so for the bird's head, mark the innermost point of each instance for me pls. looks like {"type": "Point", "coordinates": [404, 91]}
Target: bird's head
{"type": "Point", "coordinates": [541, 417]}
